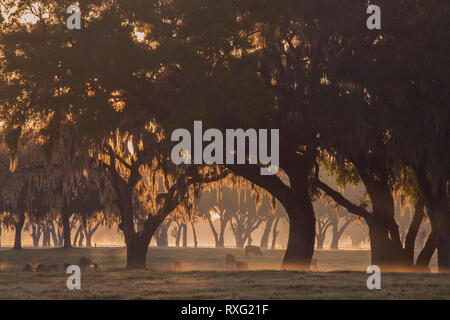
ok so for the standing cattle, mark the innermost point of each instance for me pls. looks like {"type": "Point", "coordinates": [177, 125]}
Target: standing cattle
{"type": "Point", "coordinates": [42, 268]}
{"type": "Point", "coordinates": [27, 268]}
{"type": "Point", "coordinates": [84, 263]}
{"type": "Point", "coordinates": [230, 260]}
{"type": "Point", "coordinates": [252, 250]}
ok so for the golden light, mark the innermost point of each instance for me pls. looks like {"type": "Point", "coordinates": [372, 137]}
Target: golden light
{"type": "Point", "coordinates": [130, 147]}
{"type": "Point", "coordinates": [214, 215]}
{"type": "Point", "coordinates": [140, 36]}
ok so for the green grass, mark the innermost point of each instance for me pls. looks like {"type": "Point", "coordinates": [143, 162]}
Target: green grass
{"type": "Point", "coordinates": [206, 277]}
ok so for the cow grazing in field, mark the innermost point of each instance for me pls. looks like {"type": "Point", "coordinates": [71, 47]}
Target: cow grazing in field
{"type": "Point", "coordinates": [84, 263]}
{"type": "Point", "coordinates": [27, 268]}
{"type": "Point", "coordinates": [42, 268]}
{"type": "Point", "coordinates": [241, 266]}
{"type": "Point", "coordinates": [230, 260]}
{"type": "Point", "coordinates": [177, 266]}
{"type": "Point", "coordinates": [252, 250]}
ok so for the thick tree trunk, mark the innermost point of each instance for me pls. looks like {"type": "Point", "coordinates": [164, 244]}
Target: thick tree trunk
{"type": "Point", "coordinates": [443, 249]}
{"type": "Point", "coordinates": [302, 232]}
{"type": "Point", "coordinates": [443, 234]}
{"type": "Point", "coordinates": [386, 246]}
{"type": "Point", "coordinates": [66, 229]}
{"type": "Point", "coordinates": [413, 230]}
{"type": "Point", "coordinates": [137, 247]}
{"type": "Point", "coordinates": [136, 243]}
{"type": "Point", "coordinates": [386, 253]}
{"type": "Point", "coordinates": [18, 232]}
{"type": "Point", "coordinates": [438, 210]}
{"type": "Point", "coordinates": [424, 258]}
{"type": "Point", "coordinates": [0, 235]}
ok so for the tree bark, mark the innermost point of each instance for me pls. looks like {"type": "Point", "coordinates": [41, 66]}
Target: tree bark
{"type": "Point", "coordinates": [66, 229]}
{"type": "Point", "coordinates": [265, 237]}
{"type": "Point", "coordinates": [195, 235]}
{"type": "Point", "coordinates": [302, 233]}
{"type": "Point", "coordinates": [442, 217]}
{"type": "Point", "coordinates": [178, 236]}
{"type": "Point", "coordinates": [88, 240]}
{"type": "Point", "coordinates": [275, 233]}
{"type": "Point", "coordinates": [337, 233]}
{"type": "Point", "coordinates": [424, 258]}
{"type": "Point", "coordinates": [219, 237]}
{"type": "Point", "coordinates": [410, 239]}
{"type": "Point", "coordinates": [162, 239]}
{"type": "Point", "coordinates": [52, 231]}
{"type": "Point", "coordinates": [36, 231]}
{"type": "Point", "coordinates": [320, 240]}
{"type": "Point", "coordinates": [295, 199]}
{"type": "Point", "coordinates": [18, 231]}
{"type": "Point", "coordinates": [322, 228]}
{"type": "Point", "coordinates": [137, 247]}
{"type": "Point", "coordinates": [385, 252]}
{"type": "Point", "coordinates": [136, 243]}
{"type": "Point", "coordinates": [184, 228]}
{"type": "Point", "coordinates": [89, 233]}
{"type": "Point", "coordinates": [81, 239]}
{"type": "Point", "coordinates": [77, 234]}
{"type": "Point", "coordinates": [386, 246]}
{"type": "Point", "coordinates": [239, 243]}
{"type": "Point", "coordinates": [438, 210]}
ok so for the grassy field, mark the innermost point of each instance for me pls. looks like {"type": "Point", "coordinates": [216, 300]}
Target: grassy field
{"type": "Point", "coordinates": [340, 275]}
